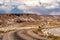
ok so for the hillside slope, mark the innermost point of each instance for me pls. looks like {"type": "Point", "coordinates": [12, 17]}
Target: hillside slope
{"type": "Point", "coordinates": [28, 19]}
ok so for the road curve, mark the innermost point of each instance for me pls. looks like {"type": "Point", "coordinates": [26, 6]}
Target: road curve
{"type": "Point", "coordinates": [23, 34]}
{"type": "Point", "coordinates": [11, 36]}
{"type": "Point", "coordinates": [31, 33]}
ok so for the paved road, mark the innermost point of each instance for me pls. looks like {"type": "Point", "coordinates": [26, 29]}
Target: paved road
{"type": "Point", "coordinates": [22, 34]}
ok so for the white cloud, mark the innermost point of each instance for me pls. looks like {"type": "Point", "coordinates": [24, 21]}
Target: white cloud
{"type": "Point", "coordinates": [58, 0]}
{"type": "Point", "coordinates": [46, 1]}
{"type": "Point", "coordinates": [31, 4]}
{"type": "Point", "coordinates": [5, 7]}
{"type": "Point", "coordinates": [1, 1]}
{"type": "Point", "coordinates": [28, 5]}
{"type": "Point", "coordinates": [23, 7]}
{"type": "Point", "coordinates": [52, 6]}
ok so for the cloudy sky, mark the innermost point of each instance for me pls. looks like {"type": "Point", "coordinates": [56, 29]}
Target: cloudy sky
{"type": "Point", "coordinates": [43, 7]}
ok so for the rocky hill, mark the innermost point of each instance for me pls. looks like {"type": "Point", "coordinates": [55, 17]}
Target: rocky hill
{"type": "Point", "coordinates": [28, 19]}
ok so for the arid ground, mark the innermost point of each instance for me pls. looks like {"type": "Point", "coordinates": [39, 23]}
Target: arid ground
{"type": "Point", "coordinates": [29, 27]}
